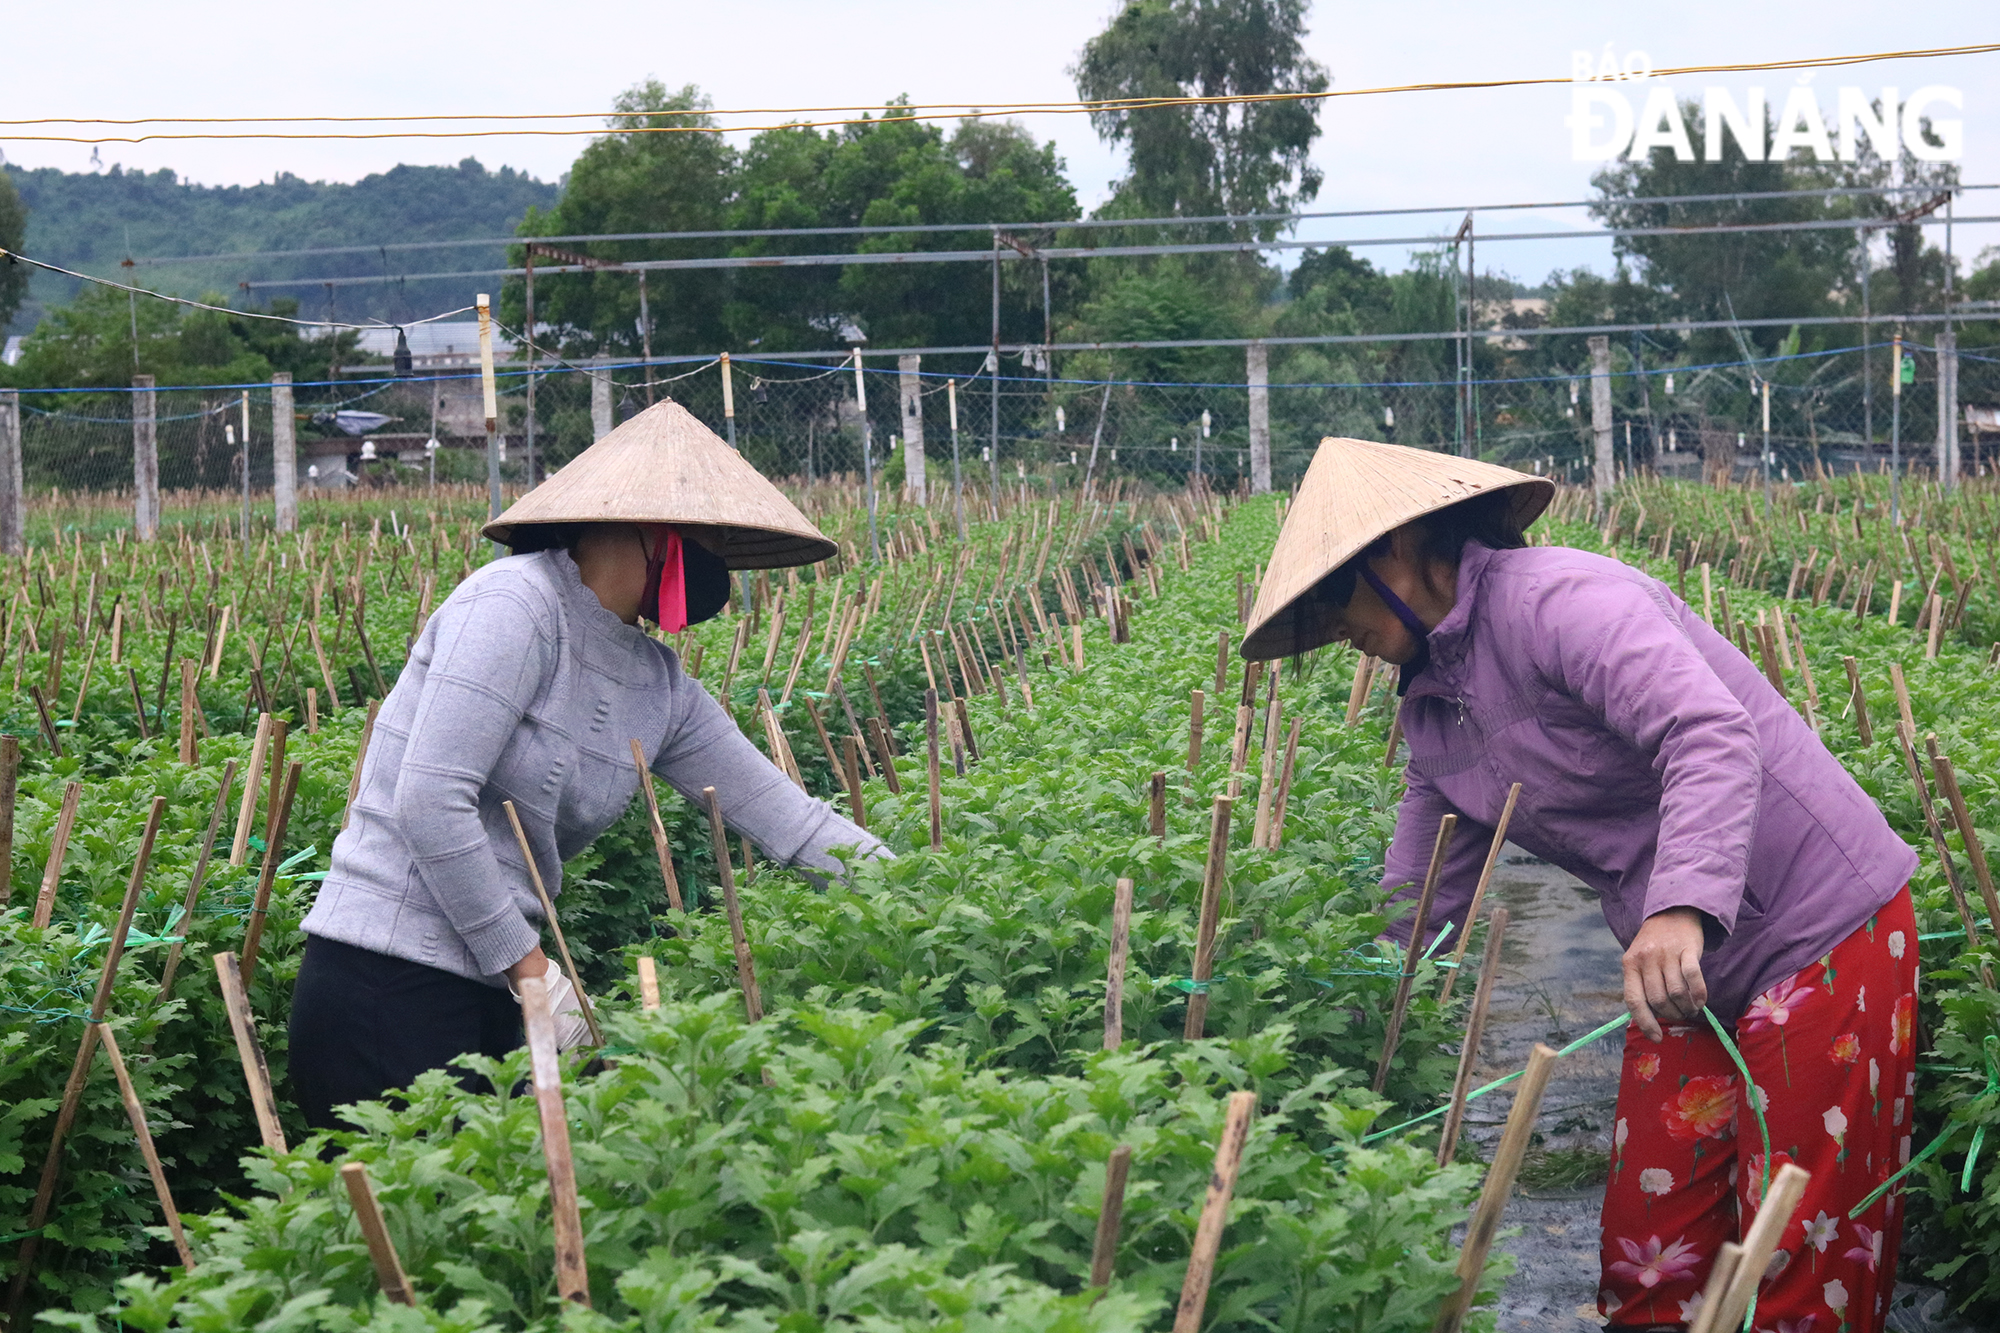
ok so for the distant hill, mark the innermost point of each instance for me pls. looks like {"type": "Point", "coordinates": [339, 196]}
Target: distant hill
{"type": "Point", "coordinates": [92, 221]}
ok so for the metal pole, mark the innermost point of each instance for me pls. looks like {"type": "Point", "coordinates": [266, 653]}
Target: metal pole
{"type": "Point", "coordinates": [491, 403]}
{"type": "Point", "coordinates": [145, 460]}
{"type": "Point", "coordinates": [957, 481]}
{"type": "Point", "coordinates": [1090, 468]}
{"type": "Point", "coordinates": [993, 430]}
{"type": "Point", "coordinates": [246, 472]}
{"type": "Point", "coordinates": [1766, 385]}
{"type": "Point", "coordinates": [1605, 465]}
{"type": "Point", "coordinates": [729, 401]}
{"type": "Point", "coordinates": [646, 336]}
{"type": "Point", "coordinates": [1474, 438]}
{"type": "Point", "coordinates": [1947, 358]}
{"type": "Point", "coordinates": [1867, 352]}
{"type": "Point", "coordinates": [12, 509]}
{"type": "Point", "coordinates": [867, 454]}
{"type": "Point", "coordinates": [528, 345]}
{"type": "Point", "coordinates": [285, 455]}
{"type": "Point", "coordinates": [1896, 431]}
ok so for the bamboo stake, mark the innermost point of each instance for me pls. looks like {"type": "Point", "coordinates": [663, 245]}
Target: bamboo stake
{"type": "Point", "coordinates": [360, 759]}
{"type": "Point", "coordinates": [1110, 1217]}
{"type": "Point", "coordinates": [389, 1273]}
{"type": "Point", "coordinates": [826, 741]}
{"type": "Point", "coordinates": [274, 852]}
{"type": "Point", "coordinates": [1214, 1212]}
{"type": "Point", "coordinates": [1903, 700]}
{"type": "Point", "coordinates": [325, 671]}
{"type": "Point", "coordinates": [312, 711]}
{"type": "Point", "coordinates": [45, 901]}
{"type": "Point", "coordinates": [932, 768]}
{"type": "Point", "coordinates": [239, 850]}
{"type": "Point", "coordinates": [135, 1111]}
{"type": "Point", "coordinates": [1479, 890]}
{"type": "Point", "coordinates": [1929, 808]}
{"type": "Point", "coordinates": [572, 1272]}
{"type": "Point", "coordinates": [47, 721]}
{"type": "Point", "coordinates": [746, 968]}
{"type": "Point", "coordinates": [1774, 1218]}
{"type": "Point", "coordinates": [885, 754]}
{"type": "Point", "coordinates": [1858, 701]}
{"type": "Point", "coordinates": [555, 926]}
{"type": "Point", "coordinates": [190, 701]}
{"type": "Point", "coordinates": [857, 807]}
{"type": "Point", "coordinates": [249, 1051]}
{"type": "Point", "coordinates": [1975, 851]}
{"type": "Point", "coordinates": [1719, 1277]}
{"type": "Point", "coordinates": [10, 776]}
{"type": "Point", "coordinates": [1446, 827]}
{"type": "Point", "coordinates": [1267, 775]}
{"type": "Point", "coordinates": [80, 1069]}
{"type": "Point", "coordinates": [1221, 661]}
{"type": "Point", "coordinates": [1500, 1178]}
{"type": "Point", "coordinates": [649, 983]}
{"type": "Point", "coordinates": [1475, 1028]}
{"type": "Point", "coordinates": [200, 877]}
{"type": "Point", "coordinates": [1157, 811]}
{"type": "Point", "coordinates": [1215, 871]}
{"type": "Point", "coordinates": [1196, 700]}
{"type": "Point", "coordinates": [661, 847]}
{"type": "Point", "coordinates": [1114, 982]}
{"type": "Point", "coordinates": [1357, 696]}
{"type": "Point", "coordinates": [138, 704]}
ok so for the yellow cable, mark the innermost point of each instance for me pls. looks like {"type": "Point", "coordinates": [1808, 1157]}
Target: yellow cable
{"type": "Point", "coordinates": [922, 111]}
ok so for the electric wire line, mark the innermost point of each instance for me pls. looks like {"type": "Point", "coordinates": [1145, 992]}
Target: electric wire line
{"type": "Point", "coordinates": [925, 111]}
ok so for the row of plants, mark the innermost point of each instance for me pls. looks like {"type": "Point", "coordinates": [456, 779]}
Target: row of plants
{"type": "Point", "coordinates": [882, 1179]}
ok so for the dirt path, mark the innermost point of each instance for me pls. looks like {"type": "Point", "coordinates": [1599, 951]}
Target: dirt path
{"type": "Point", "coordinates": [1560, 980]}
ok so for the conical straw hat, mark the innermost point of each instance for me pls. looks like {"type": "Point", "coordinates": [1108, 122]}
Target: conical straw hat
{"type": "Point", "coordinates": [664, 466]}
{"type": "Point", "coordinates": [1354, 492]}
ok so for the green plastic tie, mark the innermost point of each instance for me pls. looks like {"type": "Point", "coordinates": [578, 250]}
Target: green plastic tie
{"type": "Point", "coordinates": [1935, 1145]}
{"type": "Point", "coordinates": [1502, 1082]}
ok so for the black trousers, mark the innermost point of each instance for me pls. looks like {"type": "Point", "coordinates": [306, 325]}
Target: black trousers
{"type": "Point", "coordinates": [363, 1023]}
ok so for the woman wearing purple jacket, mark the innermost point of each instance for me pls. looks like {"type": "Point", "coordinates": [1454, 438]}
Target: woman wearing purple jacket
{"type": "Point", "coordinates": [1739, 865]}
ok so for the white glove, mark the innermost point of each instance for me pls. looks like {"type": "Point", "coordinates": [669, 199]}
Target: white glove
{"type": "Point", "coordinates": [566, 1007]}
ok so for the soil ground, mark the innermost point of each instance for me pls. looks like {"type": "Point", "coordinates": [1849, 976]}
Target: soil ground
{"type": "Point", "coordinates": [1559, 980]}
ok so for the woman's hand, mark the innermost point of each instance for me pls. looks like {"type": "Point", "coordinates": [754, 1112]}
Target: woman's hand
{"type": "Point", "coordinates": [533, 964]}
{"type": "Point", "coordinates": [1663, 982]}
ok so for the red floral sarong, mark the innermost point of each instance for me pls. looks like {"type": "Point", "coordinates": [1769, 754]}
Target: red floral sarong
{"type": "Point", "coordinates": [1831, 1052]}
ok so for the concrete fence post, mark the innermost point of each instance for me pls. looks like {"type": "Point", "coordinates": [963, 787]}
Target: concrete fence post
{"type": "Point", "coordinates": [600, 404]}
{"type": "Point", "coordinates": [13, 514]}
{"type": "Point", "coordinates": [913, 426]}
{"type": "Point", "coordinates": [145, 460]}
{"type": "Point", "coordinates": [1947, 407]}
{"type": "Point", "coordinates": [1605, 475]}
{"type": "Point", "coordinates": [284, 455]}
{"type": "Point", "coordinates": [1257, 359]}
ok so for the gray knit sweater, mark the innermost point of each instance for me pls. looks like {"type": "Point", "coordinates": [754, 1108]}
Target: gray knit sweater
{"type": "Point", "coordinates": [524, 688]}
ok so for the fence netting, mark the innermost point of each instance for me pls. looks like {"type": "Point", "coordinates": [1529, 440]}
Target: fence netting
{"type": "Point", "coordinates": [1026, 426]}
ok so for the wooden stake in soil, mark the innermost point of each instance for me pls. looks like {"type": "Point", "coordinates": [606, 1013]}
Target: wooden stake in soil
{"type": "Point", "coordinates": [1479, 890]}
{"type": "Point", "coordinates": [572, 1272]}
{"type": "Point", "coordinates": [555, 926]}
{"type": "Point", "coordinates": [381, 1250]}
{"type": "Point", "coordinates": [746, 968]}
{"type": "Point", "coordinates": [1214, 1212]}
{"type": "Point", "coordinates": [857, 808]}
{"type": "Point", "coordinates": [1475, 1028]}
{"type": "Point", "coordinates": [1909, 727]}
{"type": "Point", "coordinates": [1214, 874]}
{"type": "Point", "coordinates": [360, 758]}
{"type": "Point", "coordinates": [1975, 851]}
{"type": "Point", "coordinates": [45, 900]}
{"type": "Point", "coordinates": [1114, 981]}
{"type": "Point", "coordinates": [190, 701]}
{"type": "Point", "coordinates": [932, 773]}
{"type": "Point", "coordinates": [274, 852]}
{"type": "Point", "coordinates": [239, 850]}
{"type": "Point", "coordinates": [200, 877]}
{"type": "Point", "coordinates": [1499, 1185]}
{"type": "Point", "coordinates": [135, 1111]}
{"type": "Point", "coordinates": [1195, 702]}
{"type": "Point", "coordinates": [257, 1074]}
{"type": "Point", "coordinates": [1858, 701]}
{"type": "Point", "coordinates": [1727, 1257]}
{"type": "Point", "coordinates": [1446, 827]}
{"type": "Point", "coordinates": [1157, 806]}
{"type": "Point", "coordinates": [80, 1069]}
{"type": "Point", "coordinates": [10, 776]}
{"type": "Point", "coordinates": [661, 847]}
{"type": "Point", "coordinates": [649, 983]}
{"type": "Point", "coordinates": [1760, 1242]}
{"type": "Point", "coordinates": [1110, 1216]}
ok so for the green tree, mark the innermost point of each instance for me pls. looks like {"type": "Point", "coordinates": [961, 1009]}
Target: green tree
{"type": "Point", "coordinates": [13, 234]}
{"type": "Point", "coordinates": [88, 343]}
{"type": "Point", "coordinates": [1217, 158]}
{"type": "Point", "coordinates": [658, 170]}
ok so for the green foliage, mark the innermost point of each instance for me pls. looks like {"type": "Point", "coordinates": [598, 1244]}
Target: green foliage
{"type": "Point", "coordinates": [13, 234]}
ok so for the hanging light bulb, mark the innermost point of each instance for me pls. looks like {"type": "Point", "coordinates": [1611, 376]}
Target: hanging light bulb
{"type": "Point", "coordinates": [1061, 425]}
{"type": "Point", "coordinates": [985, 454]}
{"type": "Point", "coordinates": [1204, 423]}
{"type": "Point", "coordinates": [368, 454]}
{"type": "Point", "coordinates": [1174, 444]}
{"type": "Point", "coordinates": [1114, 456]}
{"type": "Point", "coordinates": [1072, 458]}
{"type": "Point", "coordinates": [1673, 441]}
{"type": "Point", "coordinates": [1389, 417]}
{"type": "Point", "coordinates": [1670, 384]}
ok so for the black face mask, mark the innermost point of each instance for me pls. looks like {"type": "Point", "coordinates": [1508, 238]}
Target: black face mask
{"type": "Point", "coordinates": [1418, 630]}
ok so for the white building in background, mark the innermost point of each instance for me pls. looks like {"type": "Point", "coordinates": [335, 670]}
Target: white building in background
{"type": "Point", "coordinates": [11, 355]}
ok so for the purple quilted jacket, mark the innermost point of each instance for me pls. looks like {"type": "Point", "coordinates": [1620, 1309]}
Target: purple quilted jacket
{"type": "Point", "coordinates": [1656, 764]}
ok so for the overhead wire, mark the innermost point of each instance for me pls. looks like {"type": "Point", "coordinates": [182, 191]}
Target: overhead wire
{"type": "Point", "coordinates": [924, 111]}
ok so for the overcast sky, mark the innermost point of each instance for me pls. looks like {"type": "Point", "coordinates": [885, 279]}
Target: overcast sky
{"type": "Point", "coordinates": [225, 57]}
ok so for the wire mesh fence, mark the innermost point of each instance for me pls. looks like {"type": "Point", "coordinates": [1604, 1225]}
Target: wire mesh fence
{"type": "Point", "coordinates": [1107, 416]}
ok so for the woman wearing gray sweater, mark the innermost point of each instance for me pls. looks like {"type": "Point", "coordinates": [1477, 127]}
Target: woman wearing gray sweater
{"type": "Point", "coordinates": [528, 685]}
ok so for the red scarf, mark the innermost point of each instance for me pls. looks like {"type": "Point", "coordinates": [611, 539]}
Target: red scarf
{"type": "Point", "coordinates": [667, 570]}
